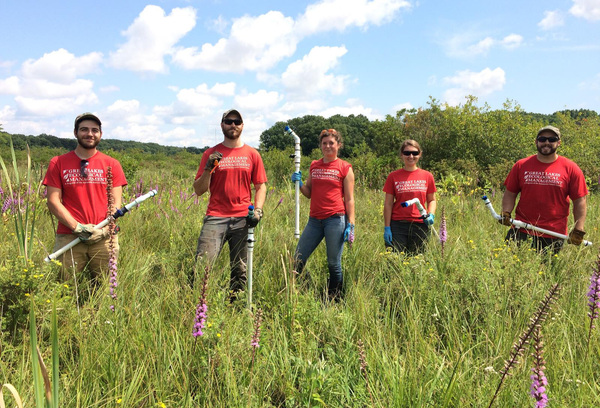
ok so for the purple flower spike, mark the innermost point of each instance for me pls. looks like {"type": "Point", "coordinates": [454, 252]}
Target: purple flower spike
{"type": "Point", "coordinates": [201, 309]}
{"type": "Point", "coordinates": [593, 296]}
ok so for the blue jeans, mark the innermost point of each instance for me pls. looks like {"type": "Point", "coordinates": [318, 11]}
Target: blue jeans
{"type": "Point", "coordinates": [332, 229]}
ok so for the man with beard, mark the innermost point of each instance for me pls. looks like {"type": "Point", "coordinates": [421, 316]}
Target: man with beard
{"type": "Point", "coordinates": [76, 185]}
{"type": "Point", "coordinates": [228, 170]}
{"type": "Point", "coordinates": [547, 182]}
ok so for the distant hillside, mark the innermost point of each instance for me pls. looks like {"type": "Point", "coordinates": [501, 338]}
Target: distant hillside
{"type": "Point", "coordinates": [44, 140]}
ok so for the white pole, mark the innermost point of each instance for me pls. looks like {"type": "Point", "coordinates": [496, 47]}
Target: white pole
{"type": "Point", "coordinates": [416, 202]}
{"type": "Point", "coordinates": [119, 213]}
{"type": "Point", "coordinates": [297, 169]}
{"type": "Point", "coordinates": [250, 249]}
{"type": "Point", "coordinates": [521, 224]}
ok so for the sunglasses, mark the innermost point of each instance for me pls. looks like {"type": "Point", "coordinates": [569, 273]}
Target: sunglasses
{"type": "Point", "coordinates": [232, 121]}
{"type": "Point", "coordinates": [551, 139]}
{"type": "Point", "coordinates": [83, 169]}
{"type": "Point", "coordinates": [410, 153]}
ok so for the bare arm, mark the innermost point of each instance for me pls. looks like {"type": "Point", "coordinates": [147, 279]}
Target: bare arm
{"type": "Point", "coordinates": [508, 201]}
{"type": "Point", "coordinates": [202, 183]}
{"type": "Point", "coordinates": [117, 193]}
{"type": "Point", "coordinates": [260, 192]}
{"type": "Point", "coordinates": [431, 203]}
{"type": "Point", "coordinates": [306, 188]}
{"type": "Point", "coordinates": [349, 195]}
{"type": "Point", "coordinates": [579, 212]}
{"type": "Point", "coordinates": [57, 208]}
{"type": "Point", "coordinates": [388, 205]}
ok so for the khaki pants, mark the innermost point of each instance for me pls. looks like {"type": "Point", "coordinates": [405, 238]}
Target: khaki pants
{"type": "Point", "coordinates": [94, 256]}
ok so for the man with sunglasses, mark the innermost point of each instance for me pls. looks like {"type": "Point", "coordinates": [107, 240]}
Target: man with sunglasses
{"type": "Point", "coordinates": [228, 171]}
{"type": "Point", "coordinates": [76, 185]}
{"type": "Point", "coordinates": [547, 183]}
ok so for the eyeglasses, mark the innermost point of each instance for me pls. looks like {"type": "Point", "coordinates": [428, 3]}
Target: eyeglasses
{"type": "Point", "coordinates": [551, 139]}
{"type": "Point", "coordinates": [411, 153]}
{"type": "Point", "coordinates": [83, 169]}
{"type": "Point", "coordinates": [232, 121]}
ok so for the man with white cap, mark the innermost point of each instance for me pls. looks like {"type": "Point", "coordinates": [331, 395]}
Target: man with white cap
{"type": "Point", "coordinates": [547, 183]}
{"type": "Point", "coordinates": [228, 171]}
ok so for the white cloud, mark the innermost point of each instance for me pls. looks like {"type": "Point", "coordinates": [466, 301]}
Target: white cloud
{"type": "Point", "coordinates": [261, 101]}
{"type": "Point", "coordinates": [405, 105]}
{"type": "Point", "coordinates": [255, 44]}
{"type": "Point", "coordinates": [10, 85]}
{"type": "Point", "coordinates": [49, 86]}
{"type": "Point", "coordinates": [512, 41]}
{"type": "Point", "coordinates": [587, 9]}
{"type": "Point", "coordinates": [464, 45]}
{"type": "Point", "coordinates": [151, 36]}
{"type": "Point", "coordinates": [591, 84]}
{"type": "Point", "coordinates": [109, 89]}
{"type": "Point", "coordinates": [192, 104]}
{"type": "Point", "coordinates": [7, 113]}
{"type": "Point", "coordinates": [351, 109]}
{"type": "Point", "coordinates": [473, 83]}
{"type": "Point", "coordinates": [61, 66]}
{"type": "Point", "coordinates": [309, 76]}
{"type": "Point", "coordinates": [340, 14]}
{"type": "Point", "coordinates": [258, 43]}
{"type": "Point", "coordinates": [552, 19]}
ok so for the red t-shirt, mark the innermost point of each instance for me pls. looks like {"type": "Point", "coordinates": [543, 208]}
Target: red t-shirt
{"type": "Point", "coordinates": [405, 185]}
{"type": "Point", "coordinates": [327, 189]}
{"type": "Point", "coordinates": [84, 198]}
{"type": "Point", "coordinates": [545, 191]}
{"type": "Point", "coordinates": [230, 184]}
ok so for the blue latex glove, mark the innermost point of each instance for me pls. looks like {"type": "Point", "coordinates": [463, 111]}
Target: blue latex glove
{"type": "Point", "coordinates": [387, 235]}
{"type": "Point", "coordinates": [297, 176]}
{"type": "Point", "coordinates": [429, 219]}
{"type": "Point", "coordinates": [349, 233]}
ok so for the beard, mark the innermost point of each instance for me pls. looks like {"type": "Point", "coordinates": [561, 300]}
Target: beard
{"type": "Point", "coordinates": [232, 134]}
{"type": "Point", "coordinates": [87, 144]}
{"type": "Point", "coordinates": [546, 150]}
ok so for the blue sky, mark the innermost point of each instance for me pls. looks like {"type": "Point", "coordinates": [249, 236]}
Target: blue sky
{"type": "Point", "coordinates": [165, 71]}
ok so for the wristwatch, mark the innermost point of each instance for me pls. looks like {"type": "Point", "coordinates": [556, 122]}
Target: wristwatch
{"type": "Point", "coordinates": [259, 212]}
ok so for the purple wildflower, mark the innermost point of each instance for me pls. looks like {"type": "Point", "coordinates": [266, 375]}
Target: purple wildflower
{"type": "Point", "coordinates": [443, 232]}
{"type": "Point", "coordinates": [539, 382]}
{"type": "Point", "coordinates": [201, 308]}
{"type": "Point", "coordinates": [594, 296]}
{"type": "Point", "coordinates": [256, 336]}
{"type": "Point", "coordinates": [112, 260]}
{"type": "Point", "coordinates": [279, 203]}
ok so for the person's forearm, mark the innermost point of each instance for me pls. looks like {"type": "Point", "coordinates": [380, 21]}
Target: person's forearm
{"type": "Point", "coordinates": [508, 201]}
{"type": "Point", "coordinates": [260, 193]}
{"type": "Point", "coordinates": [62, 214]}
{"type": "Point", "coordinates": [202, 183]}
{"type": "Point", "coordinates": [431, 207]}
{"type": "Point", "coordinates": [350, 210]}
{"type": "Point", "coordinates": [579, 213]}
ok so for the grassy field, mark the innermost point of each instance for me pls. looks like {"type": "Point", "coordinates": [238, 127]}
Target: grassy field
{"type": "Point", "coordinates": [435, 329]}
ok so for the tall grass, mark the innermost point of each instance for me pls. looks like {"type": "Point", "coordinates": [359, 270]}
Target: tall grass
{"type": "Point", "coordinates": [435, 330]}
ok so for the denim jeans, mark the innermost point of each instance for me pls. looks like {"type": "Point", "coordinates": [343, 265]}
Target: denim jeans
{"type": "Point", "coordinates": [332, 229]}
{"type": "Point", "coordinates": [233, 230]}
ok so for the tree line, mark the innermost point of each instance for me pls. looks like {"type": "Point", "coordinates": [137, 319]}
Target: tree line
{"type": "Point", "coordinates": [474, 144]}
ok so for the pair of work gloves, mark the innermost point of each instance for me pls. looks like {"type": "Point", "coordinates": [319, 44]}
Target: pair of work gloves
{"type": "Point", "coordinates": [88, 234]}
{"type": "Point", "coordinates": [348, 231]}
{"type": "Point", "coordinates": [575, 236]}
{"type": "Point", "coordinates": [387, 231]}
{"type": "Point", "coordinates": [253, 217]}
